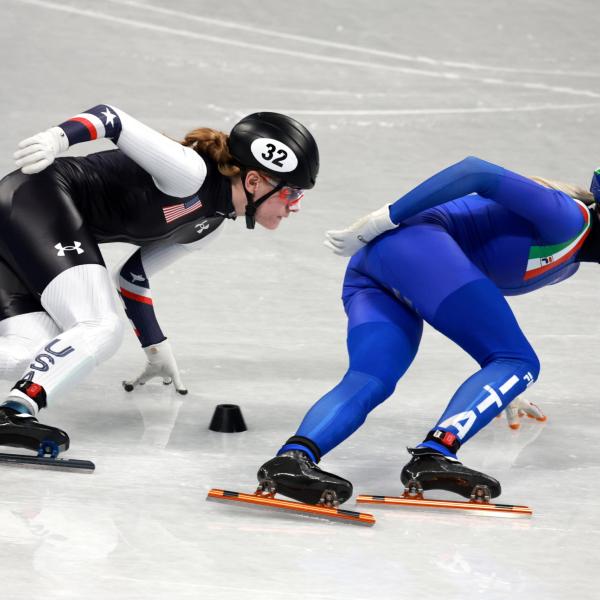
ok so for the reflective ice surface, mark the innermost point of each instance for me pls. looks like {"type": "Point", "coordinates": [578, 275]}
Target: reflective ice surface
{"type": "Point", "coordinates": [393, 91]}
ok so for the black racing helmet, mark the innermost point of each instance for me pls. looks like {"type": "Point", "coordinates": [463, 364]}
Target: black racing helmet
{"type": "Point", "coordinates": [278, 145]}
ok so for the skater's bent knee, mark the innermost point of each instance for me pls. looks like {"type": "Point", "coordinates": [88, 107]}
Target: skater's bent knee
{"type": "Point", "coordinates": [14, 358]}
{"type": "Point", "coordinates": [534, 366]}
{"type": "Point", "coordinates": [530, 363]}
{"type": "Point", "coordinates": [112, 336]}
{"type": "Point", "coordinates": [367, 389]}
{"type": "Point", "coordinates": [526, 366]}
{"type": "Point", "coordinates": [103, 335]}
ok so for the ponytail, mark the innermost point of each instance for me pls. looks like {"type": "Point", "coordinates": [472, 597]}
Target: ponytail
{"type": "Point", "coordinates": [214, 144]}
{"type": "Point", "coordinates": [574, 191]}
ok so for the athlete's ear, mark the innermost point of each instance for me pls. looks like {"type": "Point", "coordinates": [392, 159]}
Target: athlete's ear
{"type": "Point", "coordinates": [252, 180]}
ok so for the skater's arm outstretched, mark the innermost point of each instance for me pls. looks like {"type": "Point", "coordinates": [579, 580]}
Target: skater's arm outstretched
{"type": "Point", "coordinates": [133, 284]}
{"type": "Point", "coordinates": [556, 216]}
{"type": "Point", "coordinates": [177, 170]}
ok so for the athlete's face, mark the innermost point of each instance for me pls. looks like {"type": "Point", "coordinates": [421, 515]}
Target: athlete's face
{"type": "Point", "coordinates": [271, 211]}
{"type": "Point", "coordinates": [278, 206]}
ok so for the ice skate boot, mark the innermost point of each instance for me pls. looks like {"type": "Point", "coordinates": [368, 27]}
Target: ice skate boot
{"type": "Point", "coordinates": [315, 492]}
{"type": "Point", "coordinates": [431, 470]}
{"type": "Point", "coordinates": [25, 431]}
{"type": "Point", "coordinates": [295, 475]}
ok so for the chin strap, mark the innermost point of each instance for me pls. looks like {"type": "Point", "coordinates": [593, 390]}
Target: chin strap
{"type": "Point", "coordinates": [252, 204]}
{"type": "Point", "coordinates": [250, 210]}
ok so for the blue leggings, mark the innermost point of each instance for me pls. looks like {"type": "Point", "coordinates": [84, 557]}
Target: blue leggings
{"type": "Point", "coordinates": [384, 331]}
{"type": "Point", "coordinates": [460, 231]}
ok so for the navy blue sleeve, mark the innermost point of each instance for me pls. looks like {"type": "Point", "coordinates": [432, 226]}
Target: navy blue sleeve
{"type": "Point", "coordinates": [134, 289]}
{"type": "Point", "coordinates": [97, 122]}
{"type": "Point", "coordinates": [555, 215]}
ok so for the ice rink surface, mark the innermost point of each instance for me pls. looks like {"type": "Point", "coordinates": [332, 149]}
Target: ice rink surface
{"type": "Point", "coordinates": [393, 91]}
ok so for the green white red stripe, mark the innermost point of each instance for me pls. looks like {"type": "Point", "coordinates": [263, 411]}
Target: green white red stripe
{"type": "Point", "coordinates": [544, 258]}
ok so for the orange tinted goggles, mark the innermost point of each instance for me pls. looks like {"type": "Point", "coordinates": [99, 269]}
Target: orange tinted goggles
{"type": "Point", "coordinates": [290, 195]}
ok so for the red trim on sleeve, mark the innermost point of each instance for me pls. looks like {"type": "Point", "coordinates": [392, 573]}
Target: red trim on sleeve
{"type": "Point", "coordinates": [136, 297]}
{"type": "Point", "coordinates": [88, 125]}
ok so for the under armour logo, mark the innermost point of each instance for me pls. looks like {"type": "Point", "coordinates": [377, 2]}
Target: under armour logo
{"type": "Point", "coordinates": [135, 277]}
{"type": "Point", "coordinates": [200, 227]}
{"type": "Point", "coordinates": [76, 247]}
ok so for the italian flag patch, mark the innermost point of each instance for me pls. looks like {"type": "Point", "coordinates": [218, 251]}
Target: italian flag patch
{"type": "Point", "coordinates": [544, 258]}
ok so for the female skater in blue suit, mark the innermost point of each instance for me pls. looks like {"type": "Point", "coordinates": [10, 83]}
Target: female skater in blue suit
{"type": "Point", "coordinates": [446, 253]}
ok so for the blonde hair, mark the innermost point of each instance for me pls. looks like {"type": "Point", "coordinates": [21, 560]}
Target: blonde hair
{"type": "Point", "coordinates": [213, 143]}
{"type": "Point", "coordinates": [574, 191]}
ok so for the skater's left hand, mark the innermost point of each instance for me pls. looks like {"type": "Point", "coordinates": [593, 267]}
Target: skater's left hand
{"type": "Point", "coordinates": [37, 152]}
{"type": "Point", "coordinates": [520, 407]}
{"type": "Point", "coordinates": [161, 363]}
{"type": "Point", "coordinates": [346, 242]}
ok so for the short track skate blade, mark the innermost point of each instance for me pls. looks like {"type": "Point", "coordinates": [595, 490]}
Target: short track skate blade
{"type": "Point", "coordinates": [480, 508]}
{"type": "Point", "coordinates": [337, 514]}
{"type": "Point", "coordinates": [58, 464]}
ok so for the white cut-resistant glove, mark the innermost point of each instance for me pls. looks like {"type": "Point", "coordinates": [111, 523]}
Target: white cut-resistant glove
{"type": "Point", "coordinates": [37, 152]}
{"type": "Point", "coordinates": [346, 242]}
{"type": "Point", "coordinates": [160, 363]}
{"type": "Point", "coordinates": [520, 407]}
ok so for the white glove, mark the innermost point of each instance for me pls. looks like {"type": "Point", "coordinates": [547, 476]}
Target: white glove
{"type": "Point", "coordinates": [161, 363]}
{"type": "Point", "coordinates": [37, 152]}
{"type": "Point", "coordinates": [520, 407]}
{"type": "Point", "coordinates": [346, 242]}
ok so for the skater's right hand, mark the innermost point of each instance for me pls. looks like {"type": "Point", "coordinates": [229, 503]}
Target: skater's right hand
{"type": "Point", "coordinates": [346, 242]}
{"type": "Point", "coordinates": [520, 407]}
{"type": "Point", "coordinates": [160, 363]}
{"type": "Point", "coordinates": [39, 151]}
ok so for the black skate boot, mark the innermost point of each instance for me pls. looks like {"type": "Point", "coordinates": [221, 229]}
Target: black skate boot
{"type": "Point", "coordinates": [293, 474]}
{"type": "Point", "coordinates": [24, 431]}
{"type": "Point", "coordinates": [431, 470]}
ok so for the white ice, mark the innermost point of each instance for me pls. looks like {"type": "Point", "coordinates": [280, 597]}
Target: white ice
{"type": "Point", "coordinates": [393, 92]}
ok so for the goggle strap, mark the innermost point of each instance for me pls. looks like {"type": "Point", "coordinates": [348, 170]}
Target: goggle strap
{"type": "Point", "coordinates": [266, 196]}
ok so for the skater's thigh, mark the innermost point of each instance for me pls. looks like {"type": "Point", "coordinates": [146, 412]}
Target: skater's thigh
{"type": "Point", "coordinates": [478, 318]}
{"type": "Point", "coordinates": [383, 333]}
{"type": "Point", "coordinates": [423, 264]}
{"type": "Point", "coordinates": [42, 233]}
{"type": "Point", "coordinates": [15, 297]}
